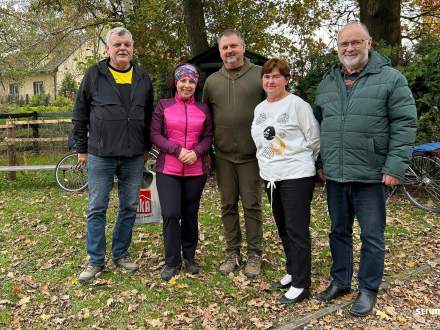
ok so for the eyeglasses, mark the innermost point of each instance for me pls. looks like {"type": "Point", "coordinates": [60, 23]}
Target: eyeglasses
{"type": "Point", "coordinates": [353, 43]}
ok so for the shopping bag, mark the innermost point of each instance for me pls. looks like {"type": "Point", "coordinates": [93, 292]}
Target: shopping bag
{"type": "Point", "coordinates": [148, 210]}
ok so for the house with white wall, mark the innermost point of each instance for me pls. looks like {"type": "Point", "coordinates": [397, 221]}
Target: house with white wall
{"type": "Point", "coordinates": [49, 75]}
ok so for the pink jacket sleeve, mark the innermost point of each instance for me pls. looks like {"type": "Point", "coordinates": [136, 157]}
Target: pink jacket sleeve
{"type": "Point", "coordinates": [158, 132]}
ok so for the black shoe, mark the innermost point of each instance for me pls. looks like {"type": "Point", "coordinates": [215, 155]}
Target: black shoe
{"type": "Point", "coordinates": [304, 295]}
{"type": "Point", "coordinates": [168, 272]}
{"type": "Point", "coordinates": [332, 292]}
{"type": "Point", "coordinates": [364, 303]}
{"type": "Point", "coordinates": [191, 266]}
{"type": "Point", "coordinates": [279, 286]}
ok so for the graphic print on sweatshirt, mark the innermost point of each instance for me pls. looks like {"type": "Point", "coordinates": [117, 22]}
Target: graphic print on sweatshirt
{"type": "Point", "coordinates": [276, 144]}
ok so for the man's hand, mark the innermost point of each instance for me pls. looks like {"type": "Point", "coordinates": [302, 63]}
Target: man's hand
{"type": "Point", "coordinates": [320, 173]}
{"type": "Point", "coordinates": [389, 180]}
{"type": "Point", "coordinates": [82, 159]}
{"type": "Point", "coordinates": [146, 154]}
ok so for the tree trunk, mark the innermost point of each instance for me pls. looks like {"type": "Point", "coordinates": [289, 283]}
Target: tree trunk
{"type": "Point", "coordinates": [195, 26]}
{"type": "Point", "coordinates": [382, 18]}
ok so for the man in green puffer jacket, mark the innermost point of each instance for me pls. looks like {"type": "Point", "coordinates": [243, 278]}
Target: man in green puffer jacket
{"type": "Point", "coordinates": [368, 125]}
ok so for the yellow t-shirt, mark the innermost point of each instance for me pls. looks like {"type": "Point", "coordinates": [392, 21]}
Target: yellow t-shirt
{"type": "Point", "coordinates": [122, 77]}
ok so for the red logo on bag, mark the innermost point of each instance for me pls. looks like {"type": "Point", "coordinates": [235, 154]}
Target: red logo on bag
{"type": "Point", "coordinates": [145, 206]}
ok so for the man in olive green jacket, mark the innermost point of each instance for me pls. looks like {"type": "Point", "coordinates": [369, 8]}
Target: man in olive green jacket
{"type": "Point", "coordinates": [232, 93]}
{"type": "Point", "coordinates": [368, 124]}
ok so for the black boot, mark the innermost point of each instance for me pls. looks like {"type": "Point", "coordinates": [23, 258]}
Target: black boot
{"type": "Point", "coordinates": [168, 272]}
{"type": "Point", "coordinates": [191, 266]}
{"type": "Point", "coordinates": [332, 292]}
{"type": "Point", "coordinates": [364, 303]}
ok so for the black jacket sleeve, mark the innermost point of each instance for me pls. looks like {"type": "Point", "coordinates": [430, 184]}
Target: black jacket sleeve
{"type": "Point", "coordinates": [81, 115]}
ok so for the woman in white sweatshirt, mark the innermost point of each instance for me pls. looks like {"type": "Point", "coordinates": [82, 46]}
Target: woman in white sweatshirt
{"type": "Point", "coordinates": [286, 135]}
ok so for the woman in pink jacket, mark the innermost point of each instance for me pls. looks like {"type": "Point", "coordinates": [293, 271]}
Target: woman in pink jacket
{"type": "Point", "coordinates": [182, 130]}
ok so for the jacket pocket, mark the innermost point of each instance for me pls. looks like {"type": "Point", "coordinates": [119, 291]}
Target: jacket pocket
{"type": "Point", "coordinates": [376, 154]}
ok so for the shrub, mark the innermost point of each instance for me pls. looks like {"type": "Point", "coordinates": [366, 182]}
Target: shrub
{"type": "Point", "coordinates": [61, 101]}
{"type": "Point", "coordinates": [39, 99]}
{"type": "Point", "coordinates": [69, 87]}
{"type": "Point", "coordinates": [423, 74]}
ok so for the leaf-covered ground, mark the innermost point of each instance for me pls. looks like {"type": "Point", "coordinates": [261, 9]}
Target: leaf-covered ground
{"type": "Point", "coordinates": [42, 251]}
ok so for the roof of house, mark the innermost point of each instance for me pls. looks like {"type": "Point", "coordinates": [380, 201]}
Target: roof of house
{"type": "Point", "coordinates": [59, 56]}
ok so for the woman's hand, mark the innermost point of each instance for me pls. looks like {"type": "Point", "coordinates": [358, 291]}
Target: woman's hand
{"type": "Point", "coordinates": [182, 154]}
{"type": "Point", "coordinates": [187, 157]}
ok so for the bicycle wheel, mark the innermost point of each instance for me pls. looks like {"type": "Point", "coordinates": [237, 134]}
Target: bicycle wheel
{"type": "Point", "coordinates": [389, 192]}
{"type": "Point", "coordinates": [422, 183]}
{"type": "Point", "coordinates": [69, 175]}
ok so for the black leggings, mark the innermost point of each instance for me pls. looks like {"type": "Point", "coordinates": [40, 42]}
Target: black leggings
{"type": "Point", "coordinates": [291, 210]}
{"type": "Point", "coordinates": [179, 200]}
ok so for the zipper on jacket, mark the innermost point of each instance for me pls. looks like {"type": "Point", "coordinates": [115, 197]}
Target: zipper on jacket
{"type": "Point", "coordinates": [186, 129]}
{"type": "Point", "coordinates": [347, 99]}
{"type": "Point", "coordinates": [128, 134]}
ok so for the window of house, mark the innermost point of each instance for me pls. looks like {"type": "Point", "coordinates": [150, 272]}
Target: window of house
{"type": "Point", "coordinates": [13, 89]}
{"type": "Point", "coordinates": [38, 88]}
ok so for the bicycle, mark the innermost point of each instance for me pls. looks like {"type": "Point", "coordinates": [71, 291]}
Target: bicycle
{"type": "Point", "coordinates": [421, 184]}
{"type": "Point", "coordinates": [72, 177]}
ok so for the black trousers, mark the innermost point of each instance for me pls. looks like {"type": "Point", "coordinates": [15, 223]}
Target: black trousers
{"type": "Point", "coordinates": [179, 200]}
{"type": "Point", "coordinates": [291, 210]}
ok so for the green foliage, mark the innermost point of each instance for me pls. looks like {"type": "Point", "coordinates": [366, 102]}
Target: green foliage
{"type": "Point", "coordinates": [161, 85]}
{"type": "Point", "coordinates": [423, 74]}
{"type": "Point", "coordinates": [69, 87]}
{"type": "Point", "coordinates": [12, 108]}
{"type": "Point", "coordinates": [84, 64]}
{"type": "Point", "coordinates": [320, 63]}
{"type": "Point", "coordinates": [39, 99]}
{"type": "Point", "coordinates": [61, 102]}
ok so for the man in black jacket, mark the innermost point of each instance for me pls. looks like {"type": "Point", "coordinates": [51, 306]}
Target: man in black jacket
{"type": "Point", "coordinates": [111, 120]}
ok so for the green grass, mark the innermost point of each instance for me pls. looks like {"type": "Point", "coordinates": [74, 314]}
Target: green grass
{"type": "Point", "coordinates": [43, 250]}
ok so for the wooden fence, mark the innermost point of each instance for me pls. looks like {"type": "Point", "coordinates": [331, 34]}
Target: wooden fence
{"type": "Point", "coordinates": [11, 140]}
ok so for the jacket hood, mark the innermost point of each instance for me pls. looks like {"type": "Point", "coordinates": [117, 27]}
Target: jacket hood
{"type": "Point", "coordinates": [241, 71]}
{"type": "Point", "coordinates": [234, 74]}
{"type": "Point", "coordinates": [375, 62]}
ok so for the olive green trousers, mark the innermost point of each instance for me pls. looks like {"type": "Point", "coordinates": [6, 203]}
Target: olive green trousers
{"type": "Point", "coordinates": [240, 181]}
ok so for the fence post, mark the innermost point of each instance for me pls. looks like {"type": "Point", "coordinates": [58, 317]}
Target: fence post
{"type": "Point", "coordinates": [36, 148]}
{"type": "Point", "coordinates": [11, 148]}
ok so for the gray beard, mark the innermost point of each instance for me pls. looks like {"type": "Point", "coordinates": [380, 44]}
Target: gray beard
{"type": "Point", "coordinates": [359, 63]}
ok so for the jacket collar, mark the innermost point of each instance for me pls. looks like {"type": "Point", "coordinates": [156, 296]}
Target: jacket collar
{"type": "Point", "coordinates": [375, 64]}
{"type": "Point", "coordinates": [233, 74]}
{"type": "Point", "coordinates": [180, 100]}
{"type": "Point", "coordinates": [103, 69]}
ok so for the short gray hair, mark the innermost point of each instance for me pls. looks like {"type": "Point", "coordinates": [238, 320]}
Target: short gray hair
{"type": "Point", "coordinates": [362, 25]}
{"type": "Point", "coordinates": [229, 32]}
{"type": "Point", "coordinates": [120, 31]}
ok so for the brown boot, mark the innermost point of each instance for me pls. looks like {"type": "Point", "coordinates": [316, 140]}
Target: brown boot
{"type": "Point", "coordinates": [253, 265]}
{"type": "Point", "coordinates": [230, 263]}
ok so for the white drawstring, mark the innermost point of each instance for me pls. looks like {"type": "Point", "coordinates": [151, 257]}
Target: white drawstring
{"type": "Point", "coordinates": [272, 186]}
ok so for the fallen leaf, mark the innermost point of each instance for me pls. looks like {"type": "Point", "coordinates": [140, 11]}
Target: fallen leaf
{"type": "Point", "coordinates": [110, 301]}
{"type": "Point", "coordinates": [154, 322]}
{"type": "Point", "coordinates": [24, 301]}
{"type": "Point", "coordinates": [382, 315]}
{"type": "Point", "coordinates": [410, 264]}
